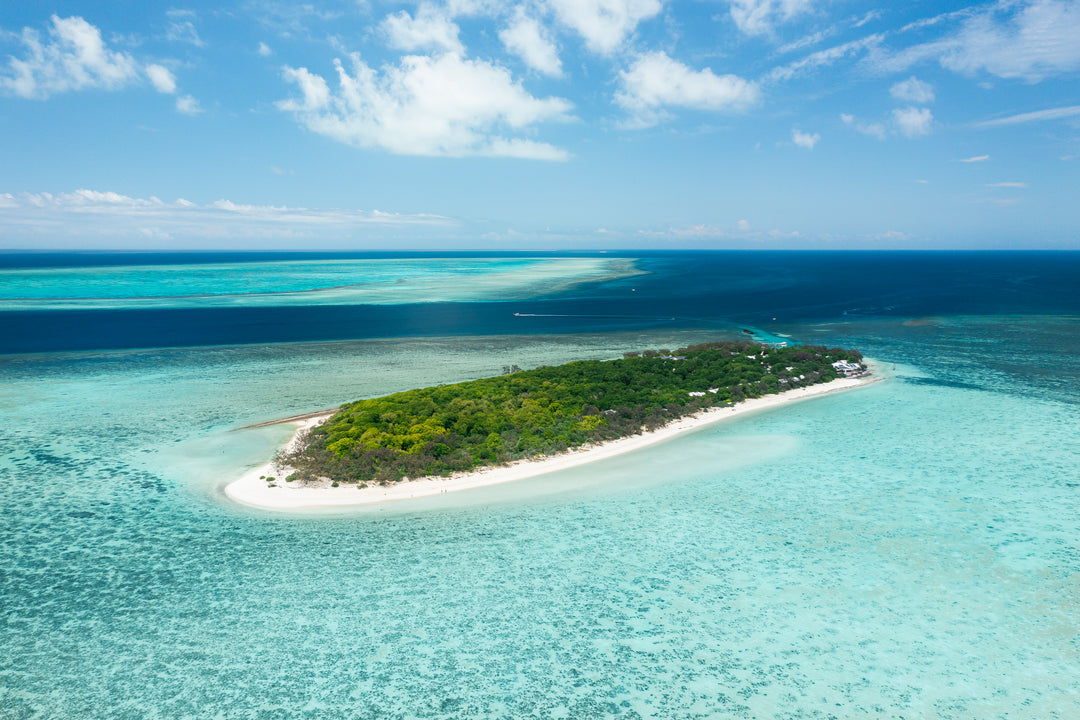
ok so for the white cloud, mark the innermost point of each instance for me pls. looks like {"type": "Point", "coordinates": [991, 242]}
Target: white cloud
{"type": "Point", "coordinates": [867, 18]}
{"type": "Point", "coordinates": [804, 42]}
{"type": "Point", "coordinates": [74, 58]}
{"type": "Point", "coordinates": [431, 29]}
{"type": "Point", "coordinates": [889, 235]}
{"type": "Point", "coordinates": [182, 28]}
{"type": "Point", "coordinates": [976, 158]}
{"type": "Point", "coordinates": [937, 19]}
{"type": "Point", "coordinates": [806, 141]}
{"type": "Point", "coordinates": [472, 8]}
{"type": "Point", "coordinates": [88, 198]}
{"type": "Point", "coordinates": [1007, 185]}
{"type": "Point", "coordinates": [873, 129]}
{"type": "Point", "coordinates": [758, 17]}
{"type": "Point", "coordinates": [188, 105]}
{"type": "Point", "coordinates": [655, 81]}
{"type": "Point", "coordinates": [777, 234]}
{"type": "Point", "coordinates": [913, 122]}
{"type": "Point", "coordinates": [604, 24]}
{"type": "Point", "coordinates": [161, 78]}
{"type": "Point", "coordinates": [703, 232]}
{"type": "Point", "coordinates": [913, 90]}
{"type": "Point", "coordinates": [440, 106]}
{"type": "Point", "coordinates": [526, 38]}
{"type": "Point", "coordinates": [1037, 116]}
{"type": "Point", "coordinates": [1039, 40]}
{"type": "Point", "coordinates": [264, 50]}
{"type": "Point", "coordinates": [824, 58]}
{"type": "Point", "coordinates": [96, 214]}
{"type": "Point", "coordinates": [700, 231]}
{"type": "Point", "coordinates": [1027, 40]}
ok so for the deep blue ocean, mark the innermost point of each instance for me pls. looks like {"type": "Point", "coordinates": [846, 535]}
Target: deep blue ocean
{"type": "Point", "coordinates": [674, 289]}
{"type": "Point", "coordinates": [906, 550]}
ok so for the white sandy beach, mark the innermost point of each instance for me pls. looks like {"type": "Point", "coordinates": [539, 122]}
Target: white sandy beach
{"type": "Point", "coordinates": [256, 492]}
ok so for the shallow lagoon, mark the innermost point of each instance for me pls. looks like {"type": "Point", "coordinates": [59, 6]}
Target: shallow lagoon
{"type": "Point", "coordinates": [904, 550]}
{"type": "Point", "coordinates": [299, 282]}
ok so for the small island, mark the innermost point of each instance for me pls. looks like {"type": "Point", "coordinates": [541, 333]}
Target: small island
{"type": "Point", "coordinates": [527, 417]}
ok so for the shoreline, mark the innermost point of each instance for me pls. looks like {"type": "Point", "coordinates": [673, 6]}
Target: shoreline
{"type": "Point", "coordinates": [250, 490]}
{"type": "Point", "coordinates": [318, 414]}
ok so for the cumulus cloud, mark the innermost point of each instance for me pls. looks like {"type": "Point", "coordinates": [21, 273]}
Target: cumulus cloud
{"type": "Point", "coordinates": [604, 24]}
{"type": "Point", "coordinates": [526, 38]}
{"type": "Point", "coordinates": [440, 106]}
{"type": "Point", "coordinates": [161, 78]}
{"type": "Point", "coordinates": [264, 50]}
{"type": "Point", "coordinates": [74, 57]}
{"type": "Point", "coordinates": [759, 17]}
{"type": "Point", "coordinates": [96, 214]}
{"type": "Point", "coordinates": [1027, 40]}
{"type": "Point", "coordinates": [913, 90]}
{"type": "Point", "coordinates": [913, 122]}
{"type": "Point", "coordinates": [431, 29]}
{"type": "Point", "coordinates": [94, 198]}
{"type": "Point", "coordinates": [806, 141]}
{"type": "Point", "coordinates": [655, 81]}
{"type": "Point", "coordinates": [188, 105]}
{"type": "Point", "coordinates": [873, 129]}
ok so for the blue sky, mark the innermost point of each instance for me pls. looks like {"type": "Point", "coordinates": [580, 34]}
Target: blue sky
{"type": "Point", "coordinates": [543, 124]}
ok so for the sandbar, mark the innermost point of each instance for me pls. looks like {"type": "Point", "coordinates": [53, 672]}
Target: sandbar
{"type": "Point", "coordinates": [251, 490]}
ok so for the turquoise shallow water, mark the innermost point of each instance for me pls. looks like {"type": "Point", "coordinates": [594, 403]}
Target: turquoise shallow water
{"type": "Point", "coordinates": [907, 550]}
{"type": "Point", "coordinates": [338, 281]}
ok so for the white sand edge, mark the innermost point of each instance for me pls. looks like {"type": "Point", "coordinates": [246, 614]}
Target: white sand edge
{"type": "Point", "coordinates": [253, 491]}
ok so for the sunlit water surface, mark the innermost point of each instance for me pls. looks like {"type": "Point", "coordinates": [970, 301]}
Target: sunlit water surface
{"type": "Point", "coordinates": [280, 283]}
{"type": "Point", "coordinates": [907, 550]}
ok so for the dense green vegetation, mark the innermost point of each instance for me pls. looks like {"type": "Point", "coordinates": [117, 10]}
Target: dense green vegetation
{"type": "Point", "coordinates": [525, 413]}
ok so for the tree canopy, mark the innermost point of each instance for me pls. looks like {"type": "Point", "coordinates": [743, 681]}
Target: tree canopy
{"type": "Point", "coordinates": [527, 413]}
